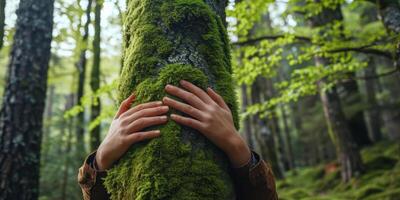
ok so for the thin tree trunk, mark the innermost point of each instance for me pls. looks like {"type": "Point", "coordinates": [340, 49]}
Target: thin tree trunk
{"type": "Point", "coordinates": [2, 21]}
{"type": "Point", "coordinates": [81, 67]}
{"type": "Point", "coordinates": [246, 124]}
{"type": "Point", "coordinates": [347, 150]}
{"type": "Point", "coordinates": [95, 76]}
{"type": "Point", "coordinates": [287, 138]}
{"type": "Point", "coordinates": [64, 184]}
{"type": "Point", "coordinates": [47, 119]}
{"type": "Point", "coordinates": [372, 115]}
{"type": "Point", "coordinates": [161, 49]}
{"type": "Point", "coordinates": [263, 134]}
{"type": "Point", "coordinates": [24, 97]}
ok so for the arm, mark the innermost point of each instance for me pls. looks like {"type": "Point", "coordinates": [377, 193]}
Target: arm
{"type": "Point", "coordinates": [125, 130]}
{"type": "Point", "coordinates": [212, 117]}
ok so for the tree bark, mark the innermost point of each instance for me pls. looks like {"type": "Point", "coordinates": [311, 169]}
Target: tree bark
{"type": "Point", "coordinates": [68, 124]}
{"type": "Point", "coordinates": [2, 21]}
{"type": "Point", "coordinates": [347, 150]}
{"type": "Point", "coordinates": [95, 76]}
{"type": "Point", "coordinates": [287, 139]}
{"type": "Point", "coordinates": [246, 129]}
{"type": "Point", "coordinates": [22, 110]}
{"type": "Point", "coordinates": [265, 137]}
{"type": "Point", "coordinates": [166, 41]}
{"type": "Point", "coordinates": [81, 68]}
{"type": "Point", "coordinates": [389, 12]}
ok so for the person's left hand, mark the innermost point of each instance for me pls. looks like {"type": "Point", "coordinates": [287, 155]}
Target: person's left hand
{"type": "Point", "coordinates": [210, 116]}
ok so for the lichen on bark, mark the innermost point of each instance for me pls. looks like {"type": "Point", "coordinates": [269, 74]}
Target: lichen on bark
{"type": "Point", "coordinates": [166, 41]}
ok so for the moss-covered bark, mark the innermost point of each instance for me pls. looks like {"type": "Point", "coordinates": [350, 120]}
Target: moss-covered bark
{"type": "Point", "coordinates": [166, 41]}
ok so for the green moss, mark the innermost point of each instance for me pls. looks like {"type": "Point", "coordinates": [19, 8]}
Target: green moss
{"type": "Point", "coordinates": [380, 181]}
{"type": "Point", "coordinates": [171, 167]}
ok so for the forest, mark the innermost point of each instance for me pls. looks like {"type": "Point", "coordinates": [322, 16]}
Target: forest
{"type": "Point", "coordinates": [311, 86]}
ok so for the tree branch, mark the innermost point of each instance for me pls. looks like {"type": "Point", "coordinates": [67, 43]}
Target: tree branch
{"type": "Point", "coordinates": [268, 37]}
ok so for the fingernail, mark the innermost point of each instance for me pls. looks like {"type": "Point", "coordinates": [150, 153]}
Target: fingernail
{"type": "Point", "coordinates": [165, 107]}
{"type": "Point", "coordinates": [163, 117]}
{"type": "Point", "coordinates": [182, 82]}
{"type": "Point", "coordinates": [167, 86]}
{"type": "Point", "coordinates": [173, 116]}
{"type": "Point", "coordinates": [159, 102]}
{"type": "Point", "coordinates": [157, 131]}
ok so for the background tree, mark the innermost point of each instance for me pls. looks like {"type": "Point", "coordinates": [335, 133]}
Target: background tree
{"type": "Point", "coordinates": [2, 21]}
{"type": "Point", "coordinates": [95, 75]}
{"type": "Point", "coordinates": [24, 99]}
{"type": "Point", "coordinates": [82, 45]}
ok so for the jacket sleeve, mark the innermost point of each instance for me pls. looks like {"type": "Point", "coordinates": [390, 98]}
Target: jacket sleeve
{"type": "Point", "coordinates": [91, 180]}
{"type": "Point", "coordinates": [255, 181]}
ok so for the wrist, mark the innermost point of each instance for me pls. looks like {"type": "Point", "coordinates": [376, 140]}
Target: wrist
{"type": "Point", "coordinates": [99, 162]}
{"type": "Point", "coordinates": [238, 152]}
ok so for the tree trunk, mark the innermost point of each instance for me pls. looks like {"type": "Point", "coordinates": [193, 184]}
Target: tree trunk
{"type": "Point", "coordinates": [166, 41]}
{"type": "Point", "coordinates": [390, 14]}
{"type": "Point", "coordinates": [262, 132]}
{"type": "Point", "coordinates": [246, 129]}
{"type": "Point", "coordinates": [372, 115]}
{"type": "Point", "coordinates": [81, 68]}
{"type": "Point", "coordinates": [347, 150]}
{"type": "Point", "coordinates": [95, 76]}
{"type": "Point", "coordinates": [2, 21]}
{"type": "Point", "coordinates": [287, 139]}
{"type": "Point", "coordinates": [21, 114]}
{"type": "Point", "coordinates": [68, 124]}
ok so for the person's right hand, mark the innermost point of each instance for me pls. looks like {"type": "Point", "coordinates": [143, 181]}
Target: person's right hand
{"type": "Point", "coordinates": [126, 129]}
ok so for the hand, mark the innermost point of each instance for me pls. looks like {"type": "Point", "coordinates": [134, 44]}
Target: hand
{"type": "Point", "coordinates": [126, 129]}
{"type": "Point", "coordinates": [211, 117]}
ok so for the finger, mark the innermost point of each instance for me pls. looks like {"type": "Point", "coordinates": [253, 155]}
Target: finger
{"type": "Point", "coordinates": [125, 105]}
{"type": "Point", "coordinates": [195, 124]}
{"type": "Point", "coordinates": [147, 112]}
{"type": "Point", "coordinates": [190, 98]}
{"type": "Point", "coordinates": [141, 136]}
{"type": "Point", "coordinates": [141, 107]}
{"type": "Point", "coordinates": [196, 90]}
{"type": "Point", "coordinates": [188, 109]}
{"type": "Point", "coordinates": [146, 122]}
{"type": "Point", "coordinates": [218, 99]}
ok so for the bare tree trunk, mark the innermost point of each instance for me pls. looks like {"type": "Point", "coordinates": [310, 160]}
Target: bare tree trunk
{"type": "Point", "coordinates": [2, 21]}
{"type": "Point", "coordinates": [265, 137]}
{"type": "Point", "coordinates": [23, 104]}
{"type": "Point", "coordinates": [348, 154]}
{"type": "Point", "coordinates": [288, 138]}
{"type": "Point", "coordinates": [64, 184]}
{"type": "Point", "coordinates": [95, 76]}
{"type": "Point", "coordinates": [81, 67]}
{"type": "Point", "coordinates": [372, 115]}
{"type": "Point", "coordinates": [246, 124]}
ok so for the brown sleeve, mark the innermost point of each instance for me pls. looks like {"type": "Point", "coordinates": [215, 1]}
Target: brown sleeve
{"type": "Point", "coordinates": [91, 180]}
{"type": "Point", "coordinates": [255, 182]}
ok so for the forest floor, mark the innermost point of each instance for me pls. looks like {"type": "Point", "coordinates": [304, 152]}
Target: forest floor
{"type": "Point", "coordinates": [381, 181]}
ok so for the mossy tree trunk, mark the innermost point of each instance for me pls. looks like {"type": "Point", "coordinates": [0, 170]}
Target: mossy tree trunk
{"type": "Point", "coordinates": [166, 41]}
{"type": "Point", "coordinates": [95, 75]}
{"type": "Point", "coordinates": [23, 104]}
{"type": "Point", "coordinates": [347, 151]}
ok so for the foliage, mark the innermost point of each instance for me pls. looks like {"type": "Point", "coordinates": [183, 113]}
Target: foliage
{"type": "Point", "coordinates": [381, 182]}
{"type": "Point", "coordinates": [344, 43]}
